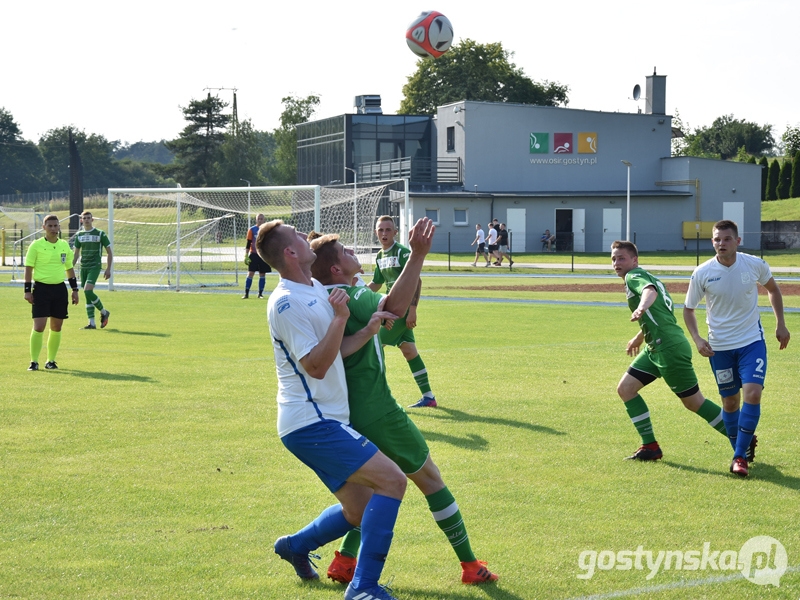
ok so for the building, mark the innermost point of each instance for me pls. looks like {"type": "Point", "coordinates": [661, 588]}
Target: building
{"type": "Point", "coordinates": [575, 172]}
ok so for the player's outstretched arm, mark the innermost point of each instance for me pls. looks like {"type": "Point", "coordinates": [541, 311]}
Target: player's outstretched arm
{"type": "Point", "coordinates": [420, 239]}
{"type": "Point", "coordinates": [649, 295]}
{"type": "Point", "coordinates": [319, 360]}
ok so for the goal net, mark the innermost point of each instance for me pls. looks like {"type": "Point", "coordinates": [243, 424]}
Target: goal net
{"type": "Point", "coordinates": [180, 237]}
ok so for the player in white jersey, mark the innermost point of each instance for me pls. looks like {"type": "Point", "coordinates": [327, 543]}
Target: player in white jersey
{"type": "Point", "coordinates": [735, 346]}
{"type": "Point", "coordinates": [307, 328]}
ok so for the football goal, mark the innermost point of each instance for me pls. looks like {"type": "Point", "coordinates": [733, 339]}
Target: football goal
{"type": "Point", "coordinates": [179, 237]}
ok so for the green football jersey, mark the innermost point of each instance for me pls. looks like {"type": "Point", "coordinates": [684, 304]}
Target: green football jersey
{"type": "Point", "coordinates": [389, 264]}
{"type": "Point", "coordinates": [658, 323]}
{"type": "Point", "coordinates": [91, 244]}
{"type": "Point", "coordinates": [365, 370]}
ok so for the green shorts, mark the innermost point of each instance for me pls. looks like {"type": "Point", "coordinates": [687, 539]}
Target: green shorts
{"type": "Point", "coordinates": [674, 364]}
{"type": "Point", "coordinates": [398, 438]}
{"type": "Point", "coordinates": [90, 276]}
{"type": "Point", "coordinates": [398, 334]}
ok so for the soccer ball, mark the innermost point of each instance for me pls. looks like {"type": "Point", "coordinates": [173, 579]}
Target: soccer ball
{"type": "Point", "coordinates": [430, 34]}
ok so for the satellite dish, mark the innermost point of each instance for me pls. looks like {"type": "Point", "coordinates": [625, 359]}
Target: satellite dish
{"type": "Point", "coordinates": [637, 92]}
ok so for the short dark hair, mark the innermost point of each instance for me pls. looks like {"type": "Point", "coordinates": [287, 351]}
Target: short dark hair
{"type": "Point", "coordinates": [727, 224]}
{"type": "Point", "coordinates": [624, 245]}
{"type": "Point", "coordinates": [327, 255]}
{"type": "Point", "coordinates": [385, 218]}
{"type": "Point", "coordinates": [50, 218]}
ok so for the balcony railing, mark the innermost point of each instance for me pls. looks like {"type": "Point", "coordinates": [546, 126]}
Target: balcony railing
{"type": "Point", "coordinates": [418, 170]}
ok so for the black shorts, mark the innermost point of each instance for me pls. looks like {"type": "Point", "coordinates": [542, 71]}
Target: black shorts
{"type": "Point", "coordinates": [50, 300]}
{"type": "Point", "coordinates": [256, 264]}
{"type": "Point", "coordinates": [492, 247]}
{"type": "Point", "coordinates": [481, 248]}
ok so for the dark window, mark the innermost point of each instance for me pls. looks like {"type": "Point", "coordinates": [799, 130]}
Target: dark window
{"type": "Point", "coordinates": [451, 139]}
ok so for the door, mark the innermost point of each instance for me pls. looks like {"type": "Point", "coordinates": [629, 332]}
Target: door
{"type": "Point", "coordinates": [612, 227]}
{"type": "Point", "coordinates": [734, 211]}
{"type": "Point", "coordinates": [571, 230]}
{"type": "Point", "coordinates": [515, 223]}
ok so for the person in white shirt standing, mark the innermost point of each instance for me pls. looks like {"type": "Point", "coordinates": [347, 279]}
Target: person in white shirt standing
{"type": "Point", "coordinates": [735, 346]}
{"type": "Point", "coordinates": [480, 239]}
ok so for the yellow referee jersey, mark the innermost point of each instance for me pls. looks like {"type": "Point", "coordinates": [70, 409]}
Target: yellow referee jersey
{"type": "Point", "coordinates": [50, 260]}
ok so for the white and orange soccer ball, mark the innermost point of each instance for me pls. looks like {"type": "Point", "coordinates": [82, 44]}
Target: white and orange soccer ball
{"type": "Point", "coordinates": [431, 34]}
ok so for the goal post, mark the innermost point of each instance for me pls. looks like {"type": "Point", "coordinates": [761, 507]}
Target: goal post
{"type": "Point", "coordinates": [195, 237]}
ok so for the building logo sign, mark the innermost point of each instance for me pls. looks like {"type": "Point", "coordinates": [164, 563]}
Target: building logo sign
{"type": "Point", "coordinates": [540, 143]}
{"type": "Point", "coordinates": [563, 143]}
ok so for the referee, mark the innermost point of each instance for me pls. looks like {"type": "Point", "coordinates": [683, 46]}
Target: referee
{"type": "Point", "coordinates": [50, 258]}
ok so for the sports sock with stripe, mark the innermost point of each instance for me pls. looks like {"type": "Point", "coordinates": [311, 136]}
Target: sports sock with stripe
{"type": "Point", "coordinates": [420, 374]}
{"type": "Point", "coordinates": [448, 517]}
{"type": "Point", "coordinates": [712, 413]}
{"type": "Point", "coordinates": [640, 417]}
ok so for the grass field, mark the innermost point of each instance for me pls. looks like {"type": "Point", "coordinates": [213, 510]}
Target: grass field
{"type": "Point", "coordinates": [148, 466]}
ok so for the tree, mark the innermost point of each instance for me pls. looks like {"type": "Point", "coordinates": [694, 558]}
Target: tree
{"type": "Point", "coordinates": [145, 152]}
{"type": "Point", "coordinates": [243, 156]}
{"type": "Point", "coordinates": [791, 140]}
{"type": "Point", "coordinates": [794, 191]}
{"type": "Point", "coordinates": [472, 71]}
{"type": "Point", "coordinates": [283, 169]}
{"type": "Point", "coordinates": [773, 176]}
{"type": "Point", "coordinates": [784, 180]}
{"type": "Point", "coordinates": [197, 148]}
{"type": "Point", "coordinates": [22, 167]}
{"type": "Point", "coordinates": [726, 136]}
{"type": "Point", "coordinates": [764, 171]}
{"type": "Point", "coordinates": [96, 154]}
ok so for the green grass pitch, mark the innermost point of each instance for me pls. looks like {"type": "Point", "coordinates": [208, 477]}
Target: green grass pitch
{"type": "Point", "coordinates": [148, 466]}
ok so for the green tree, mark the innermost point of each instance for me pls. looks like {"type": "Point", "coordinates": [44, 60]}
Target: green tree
{"type": "Point", "coordinates": [791, 140]}
{"type": "Point", "coordinates": [22, 167]}
{"type": "Point", "coordinates": [726, 135]}
{"type": "Point", "coordinates": [243, 157]}
{"type": "Point", "coordinates": [784, 180]}
{"type": "Point", "coordinates": [773, 177]}
{"type": "Point", "coordinates": [283, 168]}
{"type": "Point", "coordinates": [96, 154]}
{"type": "Point", "coordinates": [473, 71]}
{"type": "Point", "coordinates": [764, 171]}
{"type": "Point", "coordinates": [197, 148]}
{"type": "Point", "coordinates": [145, 152]}
{"type": "Point", "coordinates": [794, 191]}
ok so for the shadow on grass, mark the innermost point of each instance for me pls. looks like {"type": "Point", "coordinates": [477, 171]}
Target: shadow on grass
{"type": "Point", "coordinates": [472, 440]}
{"type": "Point", "coordinates": [147, 333]}
{"type": "Point", "coordinates": [490, 590]}
{"type": "Point", "coordinates": [104, 376]}
{"type": "Point", "coordinates": [759, 471]}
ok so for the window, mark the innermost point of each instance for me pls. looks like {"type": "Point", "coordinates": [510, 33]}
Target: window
{"type": "Point", "coordinates": [433, 215]}
{"type": "Point", "coordinates": [460, 216]}
{"type": "Point", "coordinates": [451, 139]}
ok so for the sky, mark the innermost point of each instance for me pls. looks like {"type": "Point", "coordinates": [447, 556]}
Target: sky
{"type": "Point", "coordinates": [124, 70]}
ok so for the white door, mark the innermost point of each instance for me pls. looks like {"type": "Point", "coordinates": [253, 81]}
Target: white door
{"type": "Point", "coordinates": [515, 223]}
{"type": "Point", "coordinates": [612, 227]}
{"type": "Point", "coordinates": [734, 211]}
{"type": "Point", "coordinates": [579, 229]}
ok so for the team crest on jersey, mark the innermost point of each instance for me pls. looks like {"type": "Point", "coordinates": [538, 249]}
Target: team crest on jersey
{"type": "Point", "coordinates": [283, 307]}
{"type": "Point", "coordinates": [746, 278]}
{"type": "Point", "coordinates": [724, 375]}
{"type": "Point", "coordinates": [63, 259]}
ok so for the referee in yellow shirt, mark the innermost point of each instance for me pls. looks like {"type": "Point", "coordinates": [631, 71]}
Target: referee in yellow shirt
{"type": "Point", "coordinates": [47, 261]}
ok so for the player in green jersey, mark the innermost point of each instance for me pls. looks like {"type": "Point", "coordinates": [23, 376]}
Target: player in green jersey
{"type": "Point", "coordinates": [389, 263]}
{"type": "Point", "coordinates": [89, 244]}
{"type": "Point", "coordinates": [667, 352]}
{"type": "Point", "coordinates": [376, 414]}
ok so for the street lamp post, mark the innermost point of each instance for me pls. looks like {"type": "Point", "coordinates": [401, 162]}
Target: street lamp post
{"type": "Point", "coordinates": [355, 210]}
{"type": "Point", "coordinates": [248, 202]}
{"type": "Point", "coordinates": [628, 204]}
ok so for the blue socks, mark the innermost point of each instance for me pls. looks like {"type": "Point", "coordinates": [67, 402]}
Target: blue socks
{"type": "Point", "coordinates": [731, 421]}
{"type": "Point", "coordinates": [377, 530]}
{"type": "Point", "coordinates": [248, 283]}
{"type": "Point", "coordinates": [261, 283]}
{"type": "Point", "coordinates": [748, 420]}
{"type": "Point", "coordinates": [328, 526]}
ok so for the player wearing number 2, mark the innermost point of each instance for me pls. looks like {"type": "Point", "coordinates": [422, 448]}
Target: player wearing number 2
{"type": "Point", "coordinates": [667, 352]}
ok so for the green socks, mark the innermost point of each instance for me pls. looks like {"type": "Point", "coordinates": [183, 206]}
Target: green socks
{"type": "Point", "coordinates": [713, 414]}
{"type": "Point", "coordinates": [448, 517]}
{"type": "Point", "coordinates": [420, 374]}
{"type": "Point", "coordinates": [640, 417]}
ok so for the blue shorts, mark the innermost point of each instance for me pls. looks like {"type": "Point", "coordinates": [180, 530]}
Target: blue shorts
{"type": "Point", "coordinates": [333, 450]}
{"type": "Point", "coordinates": [732, 368]}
